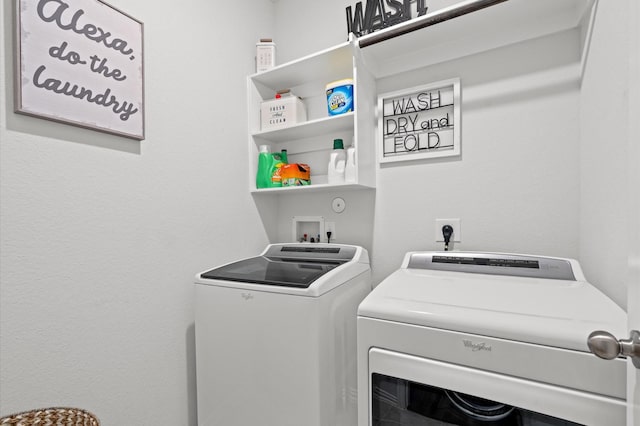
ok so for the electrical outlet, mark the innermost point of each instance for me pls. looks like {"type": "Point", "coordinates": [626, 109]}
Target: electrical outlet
{"type": "Point", "coordinates": [454, 223]}
{"type": "Point", "coordinates": [330, 227]}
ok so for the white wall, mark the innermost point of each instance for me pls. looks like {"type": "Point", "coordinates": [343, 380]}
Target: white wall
{"type": "Point", "coordinates": [604, 151]}
{"type": "Point", "coordinates": [516, 186]}
{"type": "Point", "coordinates": [102, 236]}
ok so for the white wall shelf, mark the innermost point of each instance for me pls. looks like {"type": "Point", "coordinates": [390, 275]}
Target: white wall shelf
{"type": "Point", "coordinates": [317, 127]}
{"type": "Point", "coordinates": [496, 26]}
{"type": "Point", "coordinates": [314, 187]}
{"type": "Point", "coordinates": [332, 64]}
{"type": "Point", "coordinates": [310, 142]}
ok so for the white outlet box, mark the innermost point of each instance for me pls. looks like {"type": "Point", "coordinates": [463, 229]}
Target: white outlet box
{"type": "Point", "coordinates": [454, 223]}
{"type": "Point", "coordinates": [312, 226]}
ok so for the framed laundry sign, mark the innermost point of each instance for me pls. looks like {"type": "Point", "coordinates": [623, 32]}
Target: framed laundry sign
{"type": "Point", "coordinates": [80, 62]}
{"type": "Point", "coordinates": [420, 122]}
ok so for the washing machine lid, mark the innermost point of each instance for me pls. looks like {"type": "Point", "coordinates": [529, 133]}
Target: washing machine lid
{"type": "Point", "coordinates": [530, 299]}
{"type": "Point", "coordinates": [285, 265]}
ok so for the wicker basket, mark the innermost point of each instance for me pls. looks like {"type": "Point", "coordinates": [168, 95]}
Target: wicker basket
{"type": "Point", "coordinates": [51, 417]}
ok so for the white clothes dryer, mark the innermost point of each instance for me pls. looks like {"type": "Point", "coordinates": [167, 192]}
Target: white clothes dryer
{"type": "Point", "coordinates": [454, 338]}
{"type": "Point", "coordinates": [276, 337]}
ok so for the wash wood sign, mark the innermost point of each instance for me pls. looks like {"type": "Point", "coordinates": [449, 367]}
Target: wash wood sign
{"type": "Point", "coordinates": [80, 62]}
{"type": "Point", "coordinates": [379, 14]}
{"type": "Point", "coordinates": [420, 122]}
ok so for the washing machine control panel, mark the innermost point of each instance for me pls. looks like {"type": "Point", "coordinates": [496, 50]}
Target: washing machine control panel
{"type": "Point", "coordinates": [315, 252]}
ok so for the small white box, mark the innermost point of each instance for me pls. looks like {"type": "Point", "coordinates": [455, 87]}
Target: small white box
{"type": "Point", "coordinates": [282, 112]}
{"type": "Point", "coordinates": [265, 55]}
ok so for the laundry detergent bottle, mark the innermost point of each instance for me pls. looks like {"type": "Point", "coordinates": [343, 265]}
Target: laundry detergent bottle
{"type": "Point", "coordinates": [350, 168]}
{"type": "Point", "coordinates": [337, 163]}
{"type": "Point", "coordinates": [279, 160]}
{"type": "Point", "coordinates": [265, 162]}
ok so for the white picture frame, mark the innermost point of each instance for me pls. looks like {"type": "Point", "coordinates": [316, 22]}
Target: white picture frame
{"type": "Point", "coordinates": [80, 62]}
{"type": "Point", "coordinates": [419, 123]}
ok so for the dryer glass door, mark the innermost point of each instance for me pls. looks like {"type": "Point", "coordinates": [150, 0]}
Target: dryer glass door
{"type": "Point", "coordinates": [403, 402]}
{"type": "Point", "coordinates": [415, 391]}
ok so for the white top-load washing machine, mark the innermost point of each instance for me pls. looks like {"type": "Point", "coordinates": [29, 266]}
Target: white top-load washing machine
{"type": "Point", "coordinates": [484, 338]}
{"type": "Point", "coordinates": [276, 337]}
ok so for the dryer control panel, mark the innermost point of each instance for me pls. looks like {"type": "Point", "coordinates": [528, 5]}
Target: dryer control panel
{"type": "Point", "coordinates": [494, 264]}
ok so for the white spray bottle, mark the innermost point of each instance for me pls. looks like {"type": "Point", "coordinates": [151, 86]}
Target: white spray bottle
{"type": "Point", "coordinates": [350, 168]}
{"type": "Point", "coordinates": [337, 163]}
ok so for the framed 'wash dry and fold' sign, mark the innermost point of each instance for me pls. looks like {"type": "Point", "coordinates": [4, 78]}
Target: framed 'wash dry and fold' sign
{"type": "Point", "coordinates": [420, 123]}
{"type": "Point", "coordinates": [80, 62]}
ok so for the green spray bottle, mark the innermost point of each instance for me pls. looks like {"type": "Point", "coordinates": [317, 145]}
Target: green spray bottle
{"type": "Point", "coordinates": [265, 167]}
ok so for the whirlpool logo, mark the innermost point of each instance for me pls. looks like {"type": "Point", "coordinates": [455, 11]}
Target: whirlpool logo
{"type": "Point", "coordinates": [476, 347]}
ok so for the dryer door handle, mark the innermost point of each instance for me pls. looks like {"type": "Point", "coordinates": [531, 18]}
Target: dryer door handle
{"type": "Point", "coordinates": [605, 345]}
